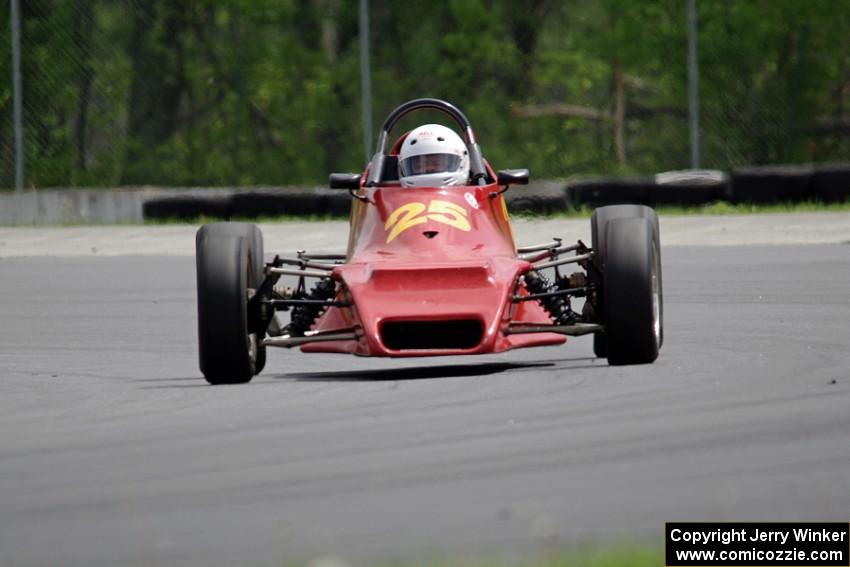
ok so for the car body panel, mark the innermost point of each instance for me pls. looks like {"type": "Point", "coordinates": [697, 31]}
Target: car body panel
{"type": "Point", "coordinates": [430, 254]}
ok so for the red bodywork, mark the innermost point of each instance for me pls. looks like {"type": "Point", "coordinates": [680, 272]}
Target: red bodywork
{"type": "Point", "coordinates": [431, 255]}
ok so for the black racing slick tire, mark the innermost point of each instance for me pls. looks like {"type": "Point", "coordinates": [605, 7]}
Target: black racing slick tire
{"type": "Point", "coordinates": [603, 215]}
{"type": "Point", "coordinates": [228, 354]}
{"type": "Point", "coordinates": [632, 292]}
{"type": "Point", "coordinates": [598, 224]}
{"type": "Point", "coordinates": [254, 237]}
{"type": "Point", "coordinates": [251, 233]}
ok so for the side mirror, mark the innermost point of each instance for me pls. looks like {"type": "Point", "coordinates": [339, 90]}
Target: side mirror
{"type": "Point", "coordinates": [512, 177]}
{"type": "Point", "coordinates": [350, 181]}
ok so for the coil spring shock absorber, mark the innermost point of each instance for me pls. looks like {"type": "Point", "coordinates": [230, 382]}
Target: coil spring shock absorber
{"type": "Point", "coordinates": [303, 316]}
{"type": "Point", "coordinates": [558, 306]}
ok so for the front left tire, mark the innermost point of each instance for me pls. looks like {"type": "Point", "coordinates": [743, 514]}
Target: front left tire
{"type": "Point", "coordinates": [632, 292]}
{"type": "Point", "coordinates": [599, 222]}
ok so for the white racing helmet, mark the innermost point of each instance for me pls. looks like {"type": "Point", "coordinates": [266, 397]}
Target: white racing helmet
{"type": "Point", "coordinates": [433, 156]}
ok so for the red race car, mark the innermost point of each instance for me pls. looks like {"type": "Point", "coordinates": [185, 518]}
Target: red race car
{"type": "Point", "coordinates": [431, 269]}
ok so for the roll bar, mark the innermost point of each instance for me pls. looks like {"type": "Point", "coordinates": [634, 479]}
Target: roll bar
{"type": "Point", "coordinates": [476, 160]}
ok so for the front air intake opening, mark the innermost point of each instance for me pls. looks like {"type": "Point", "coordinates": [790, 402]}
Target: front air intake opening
{"type": "Point", "coordinates": [457, 334]}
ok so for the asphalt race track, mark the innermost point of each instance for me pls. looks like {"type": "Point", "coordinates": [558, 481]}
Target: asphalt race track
{"type": "Point", "coordinates": [114, 451]}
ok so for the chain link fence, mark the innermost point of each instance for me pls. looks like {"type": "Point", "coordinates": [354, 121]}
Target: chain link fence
{"type": "Point", "coordinates": [74, 66]}
{"type": "Point", "coordinates": [775, 83]}
{"type": "Point", "coordinates": [206, 92]}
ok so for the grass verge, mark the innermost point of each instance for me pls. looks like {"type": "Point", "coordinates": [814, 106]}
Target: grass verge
{"type": "Point", "coordinates": [623, 555]}
{"type": "Point", "coordinates": [726, 208]}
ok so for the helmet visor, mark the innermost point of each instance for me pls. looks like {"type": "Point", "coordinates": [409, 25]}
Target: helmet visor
{"type": "Point", "coordinates": [429, 163]}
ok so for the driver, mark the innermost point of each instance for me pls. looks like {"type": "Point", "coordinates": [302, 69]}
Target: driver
{"type": "Point", "coordinates": [433, 156]}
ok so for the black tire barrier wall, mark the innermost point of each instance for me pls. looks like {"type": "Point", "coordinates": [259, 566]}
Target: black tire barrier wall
{"type": "Point", "coordinates": [831, 183]}
{"type": "Point", "coordinates": [519, 203]}
{"type": "Point", "coordinates": [686, 193]}
{"type": "Point", "coordinates": [248, 204]}
{"type": "Point", "coordinates": [335, 204]}
{"type": "Point", "coordinates": [253, 204]}
{"type": "Point", "coordinates": [827, 183]}
{"type": "Point", "coordinates": [187, 207]}
{"type": "Point", "coordinates": [770, 184]}
{"type": "Point", "coordinates": [266, 203]}
{"type": "Point", "coordinates": [600, 192]}
{"type": "Point", "coordinates": [603, 191]}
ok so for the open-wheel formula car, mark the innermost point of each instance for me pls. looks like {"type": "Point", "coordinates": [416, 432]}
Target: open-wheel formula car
{"type": "Point", "coordinates": [430, 271]}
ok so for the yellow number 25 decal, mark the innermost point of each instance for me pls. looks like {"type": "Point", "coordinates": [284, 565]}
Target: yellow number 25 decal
{"type": "Point", "coordinates": [411, 214]}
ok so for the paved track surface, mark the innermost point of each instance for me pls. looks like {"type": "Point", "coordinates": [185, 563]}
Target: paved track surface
{"type": "Point", "coordinates": [113, 451]}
